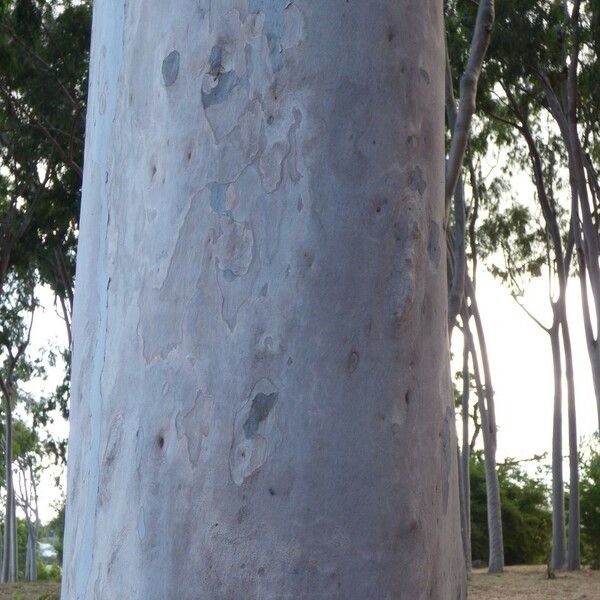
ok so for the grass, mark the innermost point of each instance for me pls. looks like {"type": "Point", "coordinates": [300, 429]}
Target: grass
{"type": "Point", "coordinates": [530, 583]}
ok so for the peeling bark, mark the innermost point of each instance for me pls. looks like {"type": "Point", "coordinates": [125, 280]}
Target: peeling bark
{"type": "Point", "coordinates": [260, 396]}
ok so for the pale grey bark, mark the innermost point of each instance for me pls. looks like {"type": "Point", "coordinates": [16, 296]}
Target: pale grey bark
{"type": "Point", "coordinates": [456, 238]}
{"type": "Point", "coordinates": [468, 94]}
{"type": "Point", "coordinates": [27, 500]}
{"type": "Point", "coordinates": [466, 451]}
{"type": "Point", "coordinates": [488, 428]}
{"type": "Point", "coordinates": [9, 557]}
{"type": "Point", "coordinates": [582, 222]}
{"type": "Point", "coordinates": [485, 362]}
{"type": "Point", "coordinates": [8, 388]}
{"type": "Point", "coordinates": [558, 557]}
{"type": "Point", "coordinates": [574, 542]}
{"type": "Point", "coordinates": [260, 396]}
{"type": "Point", "coordinates": [559, 329]}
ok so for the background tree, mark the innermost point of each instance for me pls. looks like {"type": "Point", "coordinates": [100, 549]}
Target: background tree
{"type": "Point", "coordinates": [526, 515]}
{"type": "Point", "coordinates": [16, 320]}
{"type": "Point", "coordinates": [590, 504]}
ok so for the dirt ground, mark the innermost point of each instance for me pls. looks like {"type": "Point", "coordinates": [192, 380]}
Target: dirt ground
{"type": "Point", "coordinates": [46, 590]}
{"type": "Point", "coordinates": [517, 583]}
{"type": "Point", "coordinates": [531, 583]}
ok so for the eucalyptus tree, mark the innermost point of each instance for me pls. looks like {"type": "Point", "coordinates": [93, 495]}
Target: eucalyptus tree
{"type": "Point", "coordinates": [27, 454]}
{"type": "Point", "coordinates": [16, 319]}
{"type": "Point", "coordinates": [530, 44]}
{"type": "Point", "coordinates": [545, 35]}
{"type": "Point", "coordinates": [576, 44]}
{"type": "Point", "coordinates": [43, 67]}
{"type": "Point", "coordinates": [468, 51]}
{"type": "Point", "coordinates": [521, 111]}
{"type": "Point", "coordinates": [260, 373]}
{"type": "Point", "coordinates": [43, 78]}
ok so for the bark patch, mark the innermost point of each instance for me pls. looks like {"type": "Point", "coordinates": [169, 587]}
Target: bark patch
{"type": "Point", "coordinates": [256, 432]}
{"type": "Point", "coordinates": [353, 360]}
{"type": "Point", "coordinates": [170, 68]}
{"type": "Point", "coordinates": [416, 182]}
{"type": "Point", "coordinates": [259, 411]}
{"type": "Point", "coordinates": [446, 457]}
{"type": "Point", "coordinates": [433, 246]}
{"type": "Point", "coordinates": [193, 424]}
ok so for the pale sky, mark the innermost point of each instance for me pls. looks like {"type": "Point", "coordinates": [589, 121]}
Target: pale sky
{"type": "Point", "coordinates": [521, 365]}
{"type": "Point", "coordinates": [48, 332]}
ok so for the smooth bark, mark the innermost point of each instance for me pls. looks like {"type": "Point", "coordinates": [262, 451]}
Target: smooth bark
{"type": "Point", "coordinates": [574, 543]}
{"type": "Point", "coordinates": [260, 396]}
{"type": "Point", "coordinates": [468, 94]}
{"type": "Point", "coordinates": [582, 222]}
{"type": "Point", "coordinates": [9, 563]}
{"type": "Point", "coordinates": [558, 557]}
{"type": "Point", "coordinates": [488, 428]}
{"type": "Point", "coordinates": [466, 451]}
{"type": "Point", "coordinates": [559, 329]}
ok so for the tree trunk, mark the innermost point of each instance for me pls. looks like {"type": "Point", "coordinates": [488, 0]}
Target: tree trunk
{"type": "Point", "coordinates": [260, 398]}
{"type": "Point", "coordinates": [466, 453]}
{"type": "Point", "coordinates": [583, 226]}
{"type": "Point", "coordinates": [573, 547]}
{"type": "Point", "coordinates": [28, 551]}
{"type": "Point", "coordinates": [558, 513]}
{"type": "Point", "coordinates": [562, 264]}
{"type": "Point", "coordinates": [9, 559]}
{"type": "Point", "coordinates": [492, 485]}
{"type": "Point", "coordinates": [485, 394]}
{"type": "Point", "coordinates": [30, 556]}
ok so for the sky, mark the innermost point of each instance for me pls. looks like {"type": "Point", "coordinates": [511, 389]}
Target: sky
{"type": "Point", "coordinates": [48, 332]}
{"type": "Point", "coordinates": [521, 365]}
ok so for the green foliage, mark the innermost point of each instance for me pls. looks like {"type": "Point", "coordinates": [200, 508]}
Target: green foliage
{"type": "Point", "coordinates": [21, 547]}
{"type": "Point", "coordinates": [589, 498]}
{"type": "Point", "coordinates": [48, 573]}
{"type": "Point", "coordinates": [56, 528]}
{"type": "Point", "coordinates": [43, 83]}
{"type": "Point", "coordinates": [526, 516]}
{"type": "Point", "coordinates": [514, 233]}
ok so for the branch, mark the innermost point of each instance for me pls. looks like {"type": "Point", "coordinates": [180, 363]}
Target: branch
{"type": "Point", "coordinates": [468, 94]}
{"type": "Point", "coordinates": [457, 255]}
{"type": "Point", "coordinates": [515, 297]}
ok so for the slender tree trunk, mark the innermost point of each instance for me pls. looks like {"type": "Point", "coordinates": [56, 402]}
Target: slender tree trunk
{"type": "Point", "coordinates": [485, 394]}
{"type": "Point", "coordinates": [9, 563]}
{"type": "Point", "coordinates": [558, 514]}
{"type": "Point", "coordinates": [260, 396]}
{"type": "Point", "coordinates": [494, 513]}
{"type": "Point", "coordinates": [36, 525]}
{"type": "Point", "coordinates": [584, 228]}
{"type": "Point", "coordinates": [28, 550]}
{"type": "Point", "coordinates": [14, 548]}
{"type": "Point", "coordinates": [573, 546]}
{"type": "Point", "coordinates": [466, 451]}
{"type": "Point", "coordinates": [31, 559]}
{"type": "Point", "coordinates": [562, 265]}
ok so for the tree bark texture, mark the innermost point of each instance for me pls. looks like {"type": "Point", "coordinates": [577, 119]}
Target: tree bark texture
{"type": "Point", "coordinates": [9, 556]}
{"type": "Point", "coordinates": [558, 557]}
{"type": "Point", "coordinates": [260, 396]}
{"type": "Point", "coordinates": [492, 485]}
